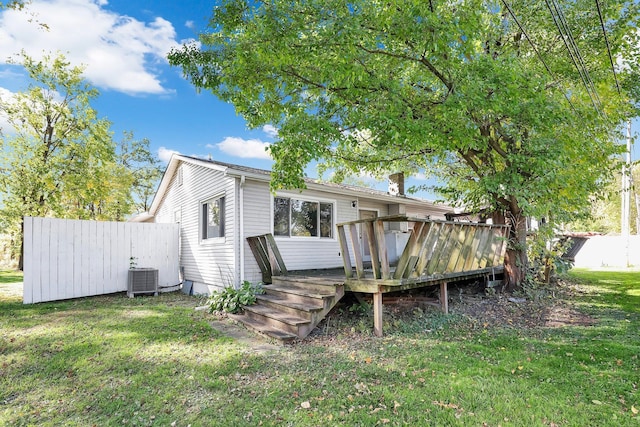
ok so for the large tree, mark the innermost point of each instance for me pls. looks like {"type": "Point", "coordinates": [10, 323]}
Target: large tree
{"type": "Point", "coordinates": [485, 95]}
{"type": "Point", "coordinates": [59, 158]}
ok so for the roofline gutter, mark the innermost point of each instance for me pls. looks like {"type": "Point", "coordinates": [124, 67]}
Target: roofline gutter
{"type": "Point", "coordinates": [266, 177]}
{"type": "Point", "coordinates": [345, 191]}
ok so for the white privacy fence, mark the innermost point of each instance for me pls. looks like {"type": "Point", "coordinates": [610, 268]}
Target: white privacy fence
{"type": "Point", "coordinates": [73, 258]}
{"type": "Point", "coordinates": [609, 251]}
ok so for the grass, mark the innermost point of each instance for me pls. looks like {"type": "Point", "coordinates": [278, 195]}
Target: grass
{"type": "Point", "coordinates": [112, 360]}
{"type": "Point", "coordinates": [10, 284]}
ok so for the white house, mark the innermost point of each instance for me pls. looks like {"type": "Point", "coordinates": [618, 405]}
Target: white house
{"type": "Point", "coordinates": [219, 205]}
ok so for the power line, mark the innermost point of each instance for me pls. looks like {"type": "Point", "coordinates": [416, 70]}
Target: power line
{"type": "Point", "coordinates": [606, 39]}
{"type": "Point", "coordinates": [535, 49]}
{"type": "Point", "coordinates": [579, 56]}
{"type": "Point", "coordinates": [574, 52]}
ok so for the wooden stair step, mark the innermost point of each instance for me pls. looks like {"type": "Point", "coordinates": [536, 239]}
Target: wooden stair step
{"type": "Point", "coordinates": [300, 306]}
{"type": "Point", "coordinates": [323, 281]}
{"type": "Point", "coordinates": [287, 318]}
{"type": "Point", "coordinates": [301, 292]}
{"type": "Point", "coordinates": [322, 284]}
{"type": "Point", "coordinates": [263, 329]}
{"type": "Point", "coordinates": [291, 309]}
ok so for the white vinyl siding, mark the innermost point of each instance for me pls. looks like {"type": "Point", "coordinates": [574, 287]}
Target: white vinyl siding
{"type": "Point", "coordinates": [257, 221]}
{"type": "Point", "coordinates": [212, 261]}
{"type": "Point", "coordinates": [373, 205]}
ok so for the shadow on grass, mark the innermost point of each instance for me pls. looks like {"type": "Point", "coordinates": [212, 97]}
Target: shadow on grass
{"type": "Point", "coordinates": [617, 290]}
{"type": "Point", "coordinates": [101, 358]}
{"type": "Point", "coordinates": [116, 361]}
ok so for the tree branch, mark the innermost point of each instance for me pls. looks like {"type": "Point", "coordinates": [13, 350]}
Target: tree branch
{"type": "Point", "coordinates": [371, 160]}
{"type": "Point", "coordinates": [422, 60]}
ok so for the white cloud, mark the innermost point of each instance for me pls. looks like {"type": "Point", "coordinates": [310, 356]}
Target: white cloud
{"type": "Point", "coordinates": [245, 148]}
{"type": "Point", "coordinates": [164, 154]}
{"type": "Point", "coordinates": [119, 52]}
{"type": "Point", "coordinates": [190, 24]}
{"type": "Point", "coordinates": [270, 130]}
{"type": "Point", "coordinates": [5, 94]}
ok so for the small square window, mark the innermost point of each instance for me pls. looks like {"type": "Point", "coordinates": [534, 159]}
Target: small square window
{"type": "Point", "coordinates": [213, 218]}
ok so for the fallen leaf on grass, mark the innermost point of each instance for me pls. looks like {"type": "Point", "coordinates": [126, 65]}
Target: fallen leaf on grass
{"type": "Point", "coordinates": [445, 405]}
{"type": "Point", "coordinates": [596, 402]}
{"type": "Point", "coordinates": [634, 410]}
{"type": "Point", "coordinates": [305, 405]}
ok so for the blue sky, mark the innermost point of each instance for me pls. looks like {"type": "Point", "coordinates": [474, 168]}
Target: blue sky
{"type": "Point", "coordinates": [124, 44]}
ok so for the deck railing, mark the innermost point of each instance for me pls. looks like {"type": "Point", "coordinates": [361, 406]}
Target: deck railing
{"type": "Point", "coordinates": [433, 248]}
{"type": "Point", "coordinates": [266, 252]}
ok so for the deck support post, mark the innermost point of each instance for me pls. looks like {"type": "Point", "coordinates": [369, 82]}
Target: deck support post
{"type": "Point", "coordinates": [444, 298]}
{"type": "Point", "coordinates": [377, 314]}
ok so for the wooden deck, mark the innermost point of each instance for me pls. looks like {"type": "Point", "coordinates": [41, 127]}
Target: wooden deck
{"type": "Point", "coordinates": [434, 253]}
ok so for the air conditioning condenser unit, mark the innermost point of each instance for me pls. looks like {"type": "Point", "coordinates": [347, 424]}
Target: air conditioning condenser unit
{"type": "Point", "coordinates": [142, 281]}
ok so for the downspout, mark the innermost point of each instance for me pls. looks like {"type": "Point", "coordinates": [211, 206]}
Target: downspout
{"type": "Point", "coordinates": [241, 243]}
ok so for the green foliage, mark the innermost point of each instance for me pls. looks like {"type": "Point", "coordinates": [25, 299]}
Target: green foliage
{"type": "Point", "coordinates": [545, 252]}
{"type": "Point", "coordinates": [361, 308]}
{"type": "Point", "coordinates": [231, 299]}
{"type": "Point", "coordinates": [456, 92]}
{"type": "Point", "coordinates": [431, 321]}
{"type": "Point", "coordinates": [60, 159]}
{"type": "Point", "coordinates": [144, 168]}
{"type": "Point", "coordinates": [604, 215]}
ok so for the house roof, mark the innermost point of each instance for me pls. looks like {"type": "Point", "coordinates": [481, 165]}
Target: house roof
{"type": "Point", "coordinates": [265, 175]}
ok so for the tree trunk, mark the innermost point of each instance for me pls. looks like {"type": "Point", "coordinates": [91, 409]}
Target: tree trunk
{"type": "Point", "coordinates": [515, 259]}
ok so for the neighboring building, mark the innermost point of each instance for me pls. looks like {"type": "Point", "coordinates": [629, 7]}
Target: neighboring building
{"type": "Point", "coordinates": [219, 205]}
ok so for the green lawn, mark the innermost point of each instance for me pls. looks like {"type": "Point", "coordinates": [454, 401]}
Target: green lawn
{"type": "Point", "coordinates": [10, 284]}
{"type": "Point", "coordinates": [156, 361]}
